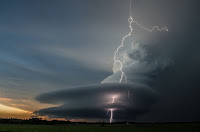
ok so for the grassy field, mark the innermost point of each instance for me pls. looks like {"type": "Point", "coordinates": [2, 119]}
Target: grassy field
{"type": "Point", "coordinates": [98, 128]}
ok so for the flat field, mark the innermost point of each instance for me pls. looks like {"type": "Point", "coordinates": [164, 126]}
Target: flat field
{"type": "Point", "coordinates": [99, 128]}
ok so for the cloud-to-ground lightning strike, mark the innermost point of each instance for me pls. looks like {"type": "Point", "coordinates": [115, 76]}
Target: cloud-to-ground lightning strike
{"type": "Point", "coordinates": [130, 20]}
{"type": "Point", "coordinates": [123, 75]}
{"type": "Point", "coordinates": [111, 110]}
{"type": "Point", "coordinates": [111, 115]}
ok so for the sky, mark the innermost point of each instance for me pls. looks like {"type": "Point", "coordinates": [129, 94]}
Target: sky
{"type": "Point", "coordinates": [51, 49]}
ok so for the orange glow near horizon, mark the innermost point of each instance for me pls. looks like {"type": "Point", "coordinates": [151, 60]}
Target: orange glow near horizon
{"type": "Point", "coordinates": [11, 112]}
{"type": "Point", "coordinates": [5, 99]}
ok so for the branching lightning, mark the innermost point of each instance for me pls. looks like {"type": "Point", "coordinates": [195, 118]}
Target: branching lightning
{"type": "Point", "coordinates": [130, 20]}
{"type": "Point", "coordinates": [123, 75]}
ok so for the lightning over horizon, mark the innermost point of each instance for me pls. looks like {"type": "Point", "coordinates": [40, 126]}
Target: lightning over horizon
{"type": "Point", "coordinates": [111, 115]}
{"type": "Point", "coordinates": [111, 110]}
{"type": "Point", "coordinates": [123, 75]}
{"type": "Point", "coordinates": [99, 61]}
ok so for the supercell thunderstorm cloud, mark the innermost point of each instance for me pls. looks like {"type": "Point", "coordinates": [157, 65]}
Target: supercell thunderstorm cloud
{"type": "Point", "coordinates": [123, 95]}
{"type": "Point", "coordinates": [93, 101]}
{"type": "Point", "coordinates": [125, 100]}
{"type": "Point", "coordinates": [100, 60]}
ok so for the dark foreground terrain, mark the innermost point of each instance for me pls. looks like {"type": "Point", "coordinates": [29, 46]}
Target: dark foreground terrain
{"type": "Point", "coordinates": [101, 128]}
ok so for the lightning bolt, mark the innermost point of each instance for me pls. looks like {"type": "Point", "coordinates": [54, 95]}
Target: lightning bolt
{"type": "Point", "coordinates": [123, 75]}
{"type": "Point", "coordinates": [130, 20]}
{"type": "Point", "coordinates": [111, 115]}
{"type": "Point", "coordinates": [113, 100]}
{"type": "Point", "coordinates": [111, 110]}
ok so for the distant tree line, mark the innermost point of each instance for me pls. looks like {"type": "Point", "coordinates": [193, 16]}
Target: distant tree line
{"type": "Point", "coordinates": [39, 121]}
{"type": "Point", "coordinates": [35, 121]}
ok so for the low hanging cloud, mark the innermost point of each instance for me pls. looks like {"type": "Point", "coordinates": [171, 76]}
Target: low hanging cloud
{"type": "Point", "coordinates": [94, 101]}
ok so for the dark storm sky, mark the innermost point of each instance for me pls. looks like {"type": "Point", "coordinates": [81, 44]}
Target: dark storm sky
{"type": "Point", "coordinates": [54, 44]}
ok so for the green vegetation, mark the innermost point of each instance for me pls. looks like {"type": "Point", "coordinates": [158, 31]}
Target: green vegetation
{"type": "Point", "coordinates": [99, 128]}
